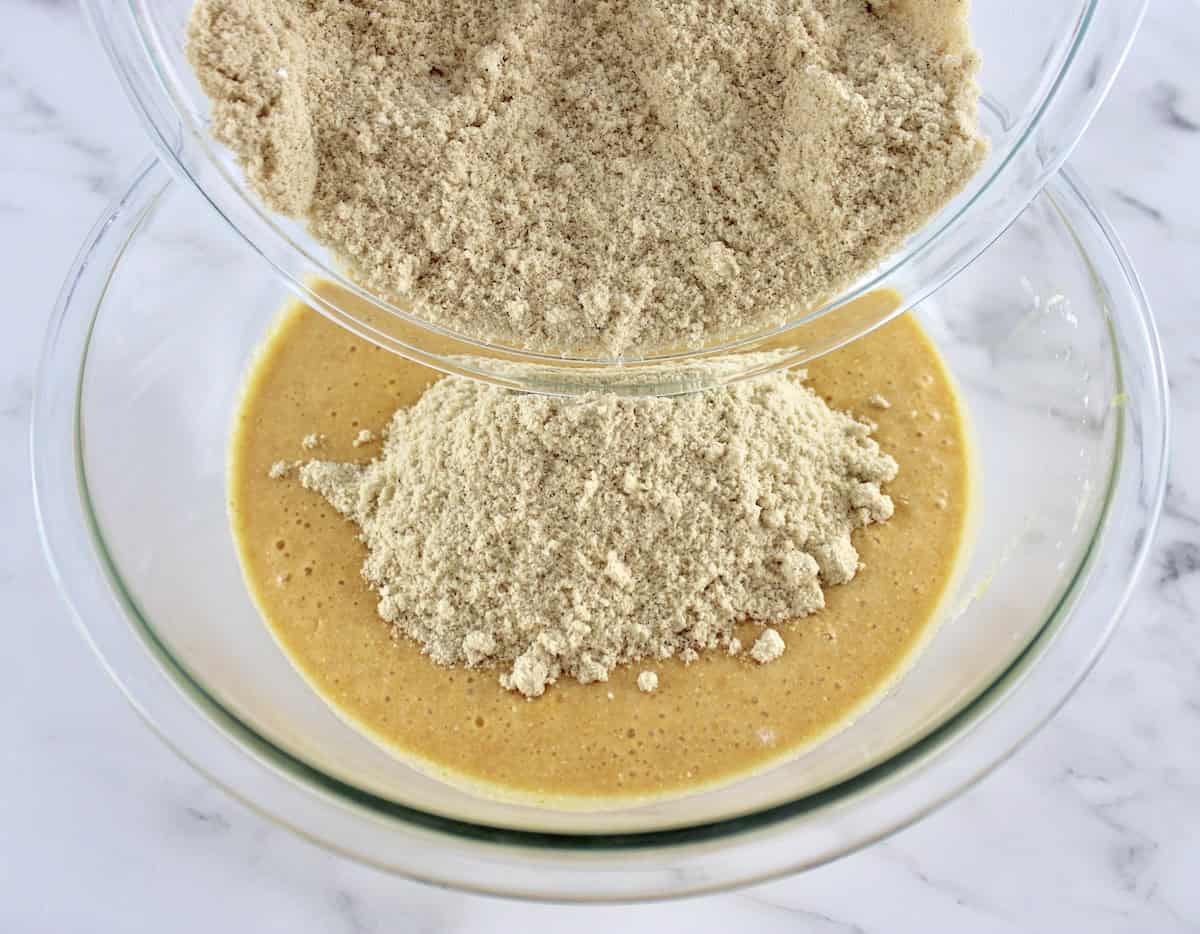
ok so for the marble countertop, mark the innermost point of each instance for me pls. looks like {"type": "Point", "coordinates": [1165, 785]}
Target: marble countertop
{"type": "Point", "coordinates": [1094, 825]}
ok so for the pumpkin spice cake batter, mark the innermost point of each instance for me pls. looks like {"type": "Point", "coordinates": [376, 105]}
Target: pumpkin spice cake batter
{"type": "Point", "coordinates": [703, 722]}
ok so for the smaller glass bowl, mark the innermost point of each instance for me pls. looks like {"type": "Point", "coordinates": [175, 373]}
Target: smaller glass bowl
{"type": "Point", "coordinates": [1054, 349]}
{"type": "Point", "coordinates": [1046, 69]}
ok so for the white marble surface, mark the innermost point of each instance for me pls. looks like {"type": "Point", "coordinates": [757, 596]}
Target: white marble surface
{"type": "Point", "coordinates": [1094, 826]}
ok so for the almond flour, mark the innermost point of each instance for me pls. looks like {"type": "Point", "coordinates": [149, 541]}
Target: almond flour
{"type": "Point", "coordinates": [557, 538]}
{"type": "Point", "coordinates": [620, 176]}
{"type": "Point", "coordinates": [768, 647]}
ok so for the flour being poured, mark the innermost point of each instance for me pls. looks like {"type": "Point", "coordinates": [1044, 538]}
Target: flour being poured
{"type": "Point", "coordinates": [560, 537]}
{"type": "Point", "coordinates": [622, 176]}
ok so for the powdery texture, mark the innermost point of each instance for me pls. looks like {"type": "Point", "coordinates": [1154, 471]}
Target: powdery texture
{"type": "Point", "coordinates": [558, 537]}
{"type": "Point", "coordinates": [617, 176]}
{"type": "Point", "coordinates": [768, 647]}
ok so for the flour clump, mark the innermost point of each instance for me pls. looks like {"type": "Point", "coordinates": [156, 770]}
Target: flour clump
{"type": "Point", "coordinates": [552, 537]}
{"type": "Point", "coordinates": [768, 647]}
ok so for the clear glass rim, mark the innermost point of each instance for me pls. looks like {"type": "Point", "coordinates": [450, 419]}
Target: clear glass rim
{"type": "Point", "coordinates": [150, 89]}
{"type": "Point", "coordinates": [55, 443]}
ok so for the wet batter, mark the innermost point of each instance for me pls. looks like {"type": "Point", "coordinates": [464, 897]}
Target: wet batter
{"type": "Point", "coordinates": [711, 721]}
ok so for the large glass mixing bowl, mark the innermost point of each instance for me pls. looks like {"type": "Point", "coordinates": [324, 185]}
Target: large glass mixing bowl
{"type": "Point", "coordinates": [1046, 68]}
{"type": "Point", "coordinates": [1048, 334]}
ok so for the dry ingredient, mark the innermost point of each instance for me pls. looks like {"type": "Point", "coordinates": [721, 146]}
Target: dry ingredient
{"type": "Point", "coordinates": [621, 176]}
{"type": "Point", "coordinates": [767, 647]}
{"type": "Point", "coordinates": [647, 682]}
{"type": "Point", "coordinates": [561, 537]}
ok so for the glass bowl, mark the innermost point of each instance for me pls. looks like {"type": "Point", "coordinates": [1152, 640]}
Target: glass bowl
{"type": "Point", "coordinates": [1051, 341]}
{"type": "Point", "coordinates": [1046, 68]}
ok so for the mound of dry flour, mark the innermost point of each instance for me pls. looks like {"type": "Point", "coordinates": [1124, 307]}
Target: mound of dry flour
{"type": "Point", "coordinates": [618, 176]}
{"type": "Point", "coordinates": [560, 537]}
